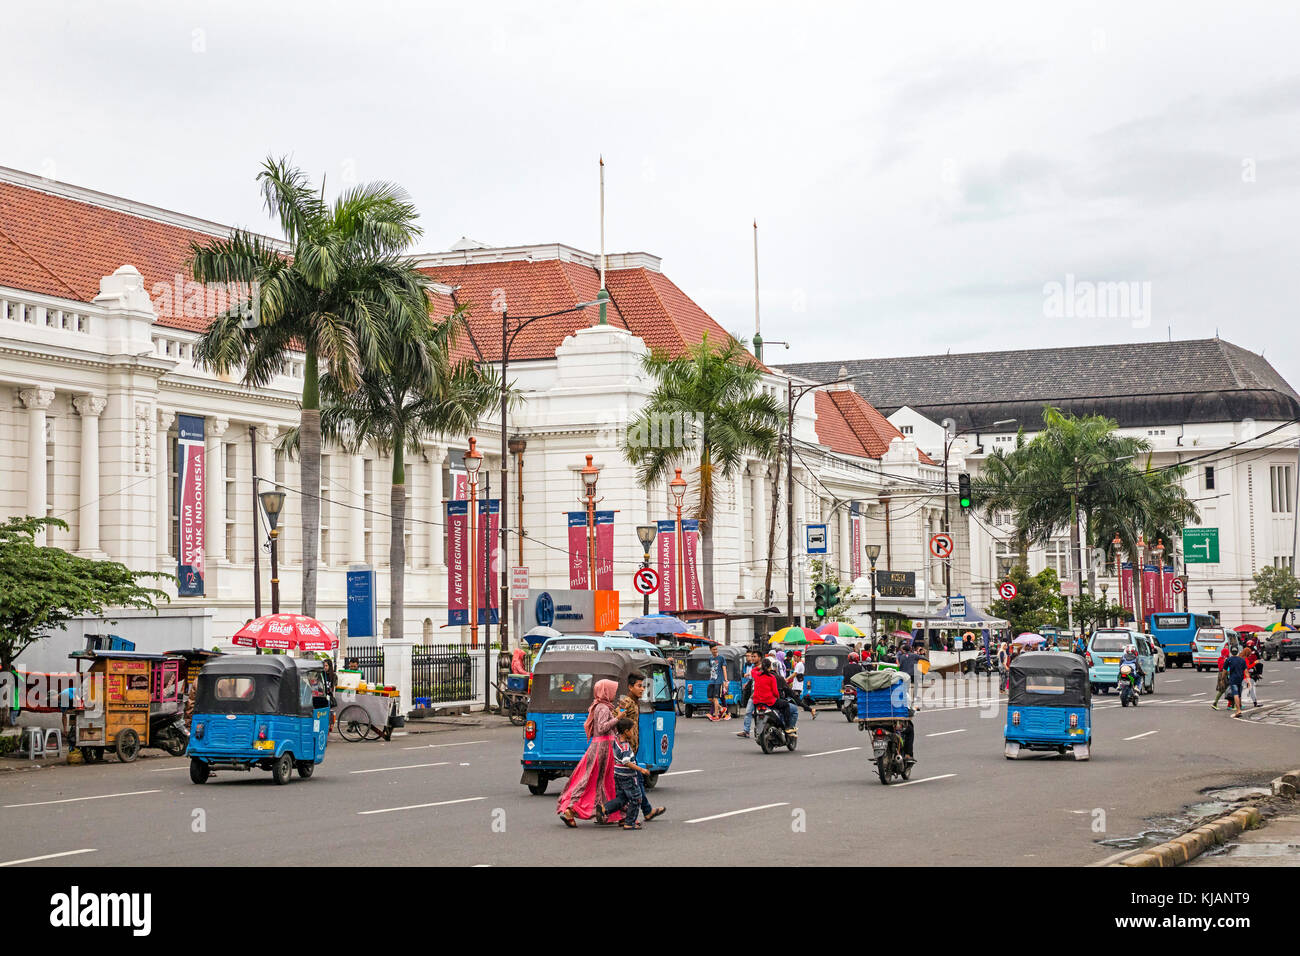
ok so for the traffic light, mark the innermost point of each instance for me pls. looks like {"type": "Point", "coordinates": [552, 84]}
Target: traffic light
{"type": "Point", "coordinates": [832, 595]}
{"type": "Point", "coordinates": [819, 599]}
{"type": "Point", "coordinates": [963, 491]}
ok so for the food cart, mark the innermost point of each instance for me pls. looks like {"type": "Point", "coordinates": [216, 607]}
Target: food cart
{"type": "Point", "coordinates": [363, 711]}
{"type": "Point", "coordinates": [128, 700]}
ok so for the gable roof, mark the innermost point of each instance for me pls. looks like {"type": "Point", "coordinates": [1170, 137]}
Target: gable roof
{"type": "Point", "coordinates": [1138, 383]}
{"type": "Point", "coordinates": [848, 424]}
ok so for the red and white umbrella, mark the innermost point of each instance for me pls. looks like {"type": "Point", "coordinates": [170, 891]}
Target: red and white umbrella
{"type": "Point", "coordinates": [286, 632]}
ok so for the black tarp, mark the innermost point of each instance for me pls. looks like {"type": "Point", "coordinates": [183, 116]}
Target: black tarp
{"type": "Point", "coordinates": [275, 685]}
{"type": "Point", "coordinates": [1050, 679]}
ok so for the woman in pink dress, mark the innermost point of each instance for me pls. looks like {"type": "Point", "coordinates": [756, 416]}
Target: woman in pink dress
{"type": "Point", "coordinates": [592, 781]}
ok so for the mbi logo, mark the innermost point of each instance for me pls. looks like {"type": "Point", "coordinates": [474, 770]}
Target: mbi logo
{"type": "Point", "coordinates": [75, 909]}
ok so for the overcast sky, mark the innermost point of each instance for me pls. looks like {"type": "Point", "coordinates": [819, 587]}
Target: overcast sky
{"type": "Point", "coordinates": [920, 172]}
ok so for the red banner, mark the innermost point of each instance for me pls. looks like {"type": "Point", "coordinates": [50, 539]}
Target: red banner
{"type": "Point", "coordinates": [485, 561]}
{"type": "Point", "coordinates": [690, 550]}
{"type": "Point", "coordinates": [1169, 589]}
{"type": "Point", "coordinates": [578, 578]}
{"type": "Point", "coordinates": [1150, 589]}
{"type": "Point", "coordinates": [666, 544]}
{"type": "Point", "coordinates": [1126, 587]}
{"type": "Point", "coordinates": [605, 550]}
{"type": "Point", "coordinates": [459, 485]}
{"type": "Point", "coordinates": [458, 562]}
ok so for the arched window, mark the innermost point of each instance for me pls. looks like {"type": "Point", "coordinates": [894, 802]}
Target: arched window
{"type": "Point", "coordinates": [388, 627]}
{"type": "Point", "coordinates": [428, 630]}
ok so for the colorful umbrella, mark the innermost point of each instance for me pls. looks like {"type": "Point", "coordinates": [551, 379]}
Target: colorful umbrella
{"type": "Point", "coordinates": [286, 632]}
{"type": "Point", "coordinates": [1029, 639]}
{"type": "Point", "coordinates": [1279, 627]}
{"type": "Point", "coordinates": [797, 635]}
{"type": "Point", "coordinates": [906, 634]}
{"type": "Point", "coordinates": [838, 629]}
{"type": "Point", "coordinates": [1248, 629]}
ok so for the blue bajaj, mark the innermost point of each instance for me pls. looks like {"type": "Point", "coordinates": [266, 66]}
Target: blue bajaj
{"type": "Point", "coordinates": [563, 684]}
{"type": "Point", "coordinates": [1049, 705]}
{"type": "Point", "coordinates": [699, 667]}
{"type": "Point", "coordinates": [270, 712]}
{"type": "Point", "coordinates": [823, 673]}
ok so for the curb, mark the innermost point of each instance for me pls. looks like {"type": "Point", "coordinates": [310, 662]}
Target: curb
{"type": "Point", "coordinates": [1287, 785]}
{"type": "Point", "coordinates": [1190, 845]}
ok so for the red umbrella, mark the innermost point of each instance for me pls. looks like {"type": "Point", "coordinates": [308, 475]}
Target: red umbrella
{"type": "Point", "coordinates": [1248, 629]}
{"type": "Point", "coordinates": [287, 632]}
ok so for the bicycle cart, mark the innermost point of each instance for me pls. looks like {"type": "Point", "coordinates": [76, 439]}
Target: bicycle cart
{"type": "Point", "coordinates": [366, 715]}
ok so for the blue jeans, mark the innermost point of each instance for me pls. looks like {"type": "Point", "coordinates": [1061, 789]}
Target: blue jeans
{"type": "Point", "coordinates": [629, 795]}
{"type": "Point", "coordinates": [791, 714]}
{"type": "Point", "coordinates": [749, 716]}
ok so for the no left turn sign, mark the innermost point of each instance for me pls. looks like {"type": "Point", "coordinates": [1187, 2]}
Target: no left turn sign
{"type": "Point", "coordinates": [1007, 591]}
{"type": "Point", "coordinates": [646, 581]}
{"type": "Point", "coordinates": [941, 545]}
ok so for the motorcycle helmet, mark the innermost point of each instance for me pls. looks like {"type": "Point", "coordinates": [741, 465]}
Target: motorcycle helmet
{"type": "Point", "coordinates": [1130, 649]}
{"type": "Point", "coordinates": [853, 656]}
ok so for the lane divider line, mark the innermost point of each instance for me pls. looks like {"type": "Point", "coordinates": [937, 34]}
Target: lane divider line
{"type": "Point", "coordinates": [942, 776]}
{"type": "Point", "coordinates": [47, 856]}
{"type": "Point", "coordinates": [732, 813]}
{"type": "Point", "coordinates": [1140, 736]}
{"type": "Point", "coordinates": [102, 796]}
{"type": "Point", "coordinates": [409, 766]}
{"type": "Point", "coordinates": [826, 753]}
{"type": "Point", "coordinates": [463, 743]}
{"type": "Point", "coordinates": [420, 806]}
{"type": "Point", "coordinates": [945, 733]}
{"type": "Point", "coordinates": [678, 773]}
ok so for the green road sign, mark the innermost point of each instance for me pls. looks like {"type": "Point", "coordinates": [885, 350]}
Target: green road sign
{"type": "Point", "coordinates": [1201, 545]}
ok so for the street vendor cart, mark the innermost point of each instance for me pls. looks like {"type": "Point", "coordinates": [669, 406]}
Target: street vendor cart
{"type": "Point", "coordinates": [128, 700]}
{"type": "Point", "coordinates": [365, 712]}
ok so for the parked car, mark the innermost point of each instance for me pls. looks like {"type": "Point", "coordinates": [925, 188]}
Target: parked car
{"type": "Point", "coordinates": [1282, 645]}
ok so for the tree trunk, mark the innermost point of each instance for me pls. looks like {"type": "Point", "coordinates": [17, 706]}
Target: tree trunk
{"type": "Point", "coordinates": [771, 533]}
{"type": "Point", "coordinates": [309, 450]}
{"type": "Point", "coordinates": [397, 542]}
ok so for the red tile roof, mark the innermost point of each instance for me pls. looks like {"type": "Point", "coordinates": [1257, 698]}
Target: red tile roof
{"type": "Point", "coordinates": [847, 423]}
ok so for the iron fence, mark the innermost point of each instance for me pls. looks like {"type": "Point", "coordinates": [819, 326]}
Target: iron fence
{"type": "Point", "coordinates": [444, 673]}
{"type": "Point", "coordinates": [371, 660]}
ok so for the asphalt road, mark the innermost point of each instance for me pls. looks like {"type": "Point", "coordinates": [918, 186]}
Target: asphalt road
{"type": "Point", "coordinates": [454, 798]}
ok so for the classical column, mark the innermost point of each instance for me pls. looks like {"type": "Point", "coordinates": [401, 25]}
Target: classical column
{"type": "Point", "coordinates": [162, 474]}
{"type": "Point", "coordinates": [89, 408]}
{"type": "Point", "coordinates": [437, 514]}
{"type": "Point", "coordinates": [357, 499]}
{"type": "Point", "coordinates": [36, 401]}
{"type": "Point", "coordinates": [214, 534]}
{"type": "Point", "coordinates": [743, 578]}
{"type": "Point", "coordinates": [266, 436]}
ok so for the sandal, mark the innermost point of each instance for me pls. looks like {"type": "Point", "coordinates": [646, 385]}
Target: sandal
{"type": "Point", "coordinates": [567, 817]}
{"type": "Point", "coordinates": [657, 811]}
{"type": "Point", "coordinates": [631, 826]}
{"type": "Point", "coordinates": [601, 817]}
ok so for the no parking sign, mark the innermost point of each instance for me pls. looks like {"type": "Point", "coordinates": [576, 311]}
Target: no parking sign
{"type": "Point", "coordinates": [1007, 591]}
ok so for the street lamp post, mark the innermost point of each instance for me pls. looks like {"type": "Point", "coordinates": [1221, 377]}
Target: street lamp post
{"type": "Point", "coordinates": [873, 552]}
{"type": "Point", "coordinates": [1105, 606]}
{"type": "Point", "coordinates": [273, 504]}
{"type": "Point", "coordinates": [678, 488]}
{"type": "Point", "coordinates": [590, 475]}
{"type": "Point", "coordinates": [1116, 544]}
{"type": "Point", "coordinates": [473, 462]}
{"type": "Point", "coordinates": [646, 535]}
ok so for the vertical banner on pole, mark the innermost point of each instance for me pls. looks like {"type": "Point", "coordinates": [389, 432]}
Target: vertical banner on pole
{"type": "Point", "coordinates": [604, 550]}
{"type": "Point", "coordinates": [855, 541]}
{"type": "Point", "coordinates": [691, 577]}
{"type": "Point", "coordinates": [1169, 589]}
{"type": "Point", "coordinates": [489, 534]}
{"type": "Point", "coordinates": [457, 562]}
{"type": "Point", "coordinates": [1150, 589]}
{"type": "Point", "coordinates": [666, 544]}
{"type": "Point", "coordinates": [1126, 587]}
{"type": "Point", "coordinates": [191, 496]}
{"type": "Point", "coordinates": [459, 485]}
{"type": "Point", "coordinates": [578, 551]}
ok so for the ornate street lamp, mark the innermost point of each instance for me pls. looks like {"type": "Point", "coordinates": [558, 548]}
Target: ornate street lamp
{"type": "Point", "coordinates": [678, 488]}
{"type": "Point", "coordinates": [873, 552]}
{"type": "Point", "coordinates": [646, 535]}
{"type": "Point", "coordinates": [590, 475]}
{"type": "Point", "coordinates": [273, 504]}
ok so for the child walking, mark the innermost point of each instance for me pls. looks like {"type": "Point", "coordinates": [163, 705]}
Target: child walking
{"type": "Point", "coordinates": [627, 789]}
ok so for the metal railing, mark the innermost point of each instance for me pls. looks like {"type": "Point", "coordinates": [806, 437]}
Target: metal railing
{"type": "Point", "coordinates": [445, 673]}
{"type": "Point", "coordinates": [371, 659]}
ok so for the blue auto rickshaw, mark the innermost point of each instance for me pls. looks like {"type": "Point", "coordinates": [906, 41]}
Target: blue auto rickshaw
{"type": "Point", "coordinates": [1049, 705]}
{"type": "Point", "coordinates": [267, 711]}
{"type": "Point", "coordinates": [823, 673]}
{"type": "Point", "coordinates": [563, 685]}
{"type": "Point", "coordinates": [698, 668]}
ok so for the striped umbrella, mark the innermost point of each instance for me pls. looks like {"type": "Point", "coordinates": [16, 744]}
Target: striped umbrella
{"type": "Point", "coordinates": [838, 629]}
{"type": "Point", "coordinates": [797, 635]}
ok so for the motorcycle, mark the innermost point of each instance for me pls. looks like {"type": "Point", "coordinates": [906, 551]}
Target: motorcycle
{"type": "Point", "coordinates": [849, 704]}
{"type": "Point", "coordinates": [887, 749]}
{"type": "Point", "coordinates": [1128, 686]}
{"type": "Point", "coordinates": [770, 732]}
{"type": "Point", "coordinates": [168, 733]}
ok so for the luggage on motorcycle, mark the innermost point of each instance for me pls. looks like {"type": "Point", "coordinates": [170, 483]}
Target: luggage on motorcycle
{"type": "Point", "coordinates": [883, 694]}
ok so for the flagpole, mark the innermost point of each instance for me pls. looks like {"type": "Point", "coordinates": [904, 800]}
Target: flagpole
{"type": "Point", "coordinates": [603, 294]}
{"type": "Point", "coordinates": [758, 335]}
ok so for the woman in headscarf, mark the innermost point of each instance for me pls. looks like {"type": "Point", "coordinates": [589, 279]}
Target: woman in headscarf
{"type": "Point", "coordinates": [592, 781]}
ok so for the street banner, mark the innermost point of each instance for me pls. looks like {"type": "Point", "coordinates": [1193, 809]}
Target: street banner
{"type": "Point", "coordinates": [1126, 587]}
{"type": "Point", "coordinates": [459, 485]}
{"type": "Point", "coordinates": [691, 573]}
{"type": "Point", "coordinates": [666, 548]}
{"type": "Point", "coordinates": [855, 541]}
{"type": "Point", "coordinates": [578, 551]}
{"type": "Point", "coordinates": [485, 561]}
{"type": "Point", "coordinates": [191, 497]}
{"type": "Point", "coordinates": [1169, 588]}
{"type": "Point", "coordinates": [604, 550]}
{"type": "Point", "coordinates": [458, 562]}
{"type": "Point", "coordinates": [1150, 589]}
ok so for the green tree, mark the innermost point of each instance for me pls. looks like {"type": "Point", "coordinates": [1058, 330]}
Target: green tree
{"type": "Point", "coordinates": [420, 392]}
{"type": "Point", "coordinates": [707, 408]}
{"type": "Point", "coordinates": [1037, 604]}
{"type": "Point", "coordinates": [325, 296]}
{"type": "Point", "coordinates": [1002, 487]}
{"type": "Point", "coordinates": [1276, 588]}
{"type": "Point", "coordinates": [43, 588]}
{"type": "Point", "coordinates": [1091, 612]}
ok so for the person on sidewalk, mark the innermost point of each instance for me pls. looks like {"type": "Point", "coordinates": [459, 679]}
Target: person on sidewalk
{"type": "Point", "coordinates": [628, 793]}
{"type": "Point", "coordinates": [1222, 684]}
{"type": "Point", "coordinates": [718, 679]}
{"type": "Point", "coordinates": [1235, 668]}
{"type": "Point", "coordinates": [629, 707]}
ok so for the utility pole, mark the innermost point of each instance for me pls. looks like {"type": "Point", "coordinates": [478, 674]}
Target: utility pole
{"type": "Point", "coordinates": [257, 564]}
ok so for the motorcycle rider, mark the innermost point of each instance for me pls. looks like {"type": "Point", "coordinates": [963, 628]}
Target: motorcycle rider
{"type": "Point", "coordinates": [752, 659]}
{"type": "Point", "coordinates": [769, 689]}
{"type": "Point", "coordinates": [1131, 659]}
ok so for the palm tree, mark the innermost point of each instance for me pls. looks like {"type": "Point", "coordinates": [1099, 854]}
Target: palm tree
{"type": "Point", "coordinates": [325, 296]}
{"type": "Point", "coordinates": [421, 392]}
{"type": "Point", "coordinates": [717, 389]}
{"type": "Point", "coordinates": [1002, 487]}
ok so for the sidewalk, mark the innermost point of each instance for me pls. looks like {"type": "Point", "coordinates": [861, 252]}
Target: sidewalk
{"type": "Point", "coordinates": [1276, 843]}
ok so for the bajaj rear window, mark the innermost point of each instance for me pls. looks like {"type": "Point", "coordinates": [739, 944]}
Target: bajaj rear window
{"type": "Point", "coordinates": [234, 688]}
{"type": "Point", "coordinates": [570, 686]}
{"type": "Point", "coordinates": [1045, 684]}
{"type": "Point", "coordinates": [825, 663]}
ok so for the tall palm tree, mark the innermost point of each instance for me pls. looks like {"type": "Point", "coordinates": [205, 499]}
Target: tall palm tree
{"type": "Point", "coordinates": [420, 392]}
{"type": "Point", "coordinates": [716, 387]}
{"type": "Point", "coordinates": [1002, 487]}
{"type": "Point", "coordinates": [324, 297]}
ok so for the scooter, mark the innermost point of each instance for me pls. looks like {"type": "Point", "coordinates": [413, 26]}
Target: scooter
{"type": "Point", "coordinates": [769, 732]}
{"type": "Point", "coordinates": [1128, 686]}
{"type": "Point", "coordinates": [849, 704]}
{"type": "Point", "coordinates": [887, 750]}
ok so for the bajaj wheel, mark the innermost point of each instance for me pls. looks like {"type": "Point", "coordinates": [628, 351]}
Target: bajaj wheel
{"type": "Point", "coordinates": [199, 771]}
{"type": "Point", "coordinates": [282, 769]}
{"type": "Point", "coordinates": [539, 788]}
{"type": "Point", "coordinates": [306, 768]}
{"type": "Point", "coordinates": [651, 780]}
{"type": "Point", "coordinates": [128, 745]}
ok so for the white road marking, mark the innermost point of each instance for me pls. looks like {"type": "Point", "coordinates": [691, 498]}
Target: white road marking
{"type": "Point", "coordinates": [732, 813]}
{"type": "Point", "coordinates": [409, 766]}
{"type": "Point", "coordinates": [942, 776]}
{"type": "Point", "coordinates": [102, 796]}
{"type": "Point", "coordinates": [47, 856]}
{"type": "Point", "coordinates": [463, 743]}
{"type": "Point", "coordinates": [168, 769]}
{"type": "Point", "coordinates": [420, 806]}
{"type": "Point", "coordinates": [1173, 680]}
{"type": "Point", "coordinates": [1199, 693]}
{"type": "Point", "coordinates": [945, 733]}
{"type": "Point", "coordinates": [678, 773]}
{"type": "Point", "coordinates": [1277, 682]}
{"type": "Point", "coordinates": [1140, 736]}
{"type": "Point", "coordinates": [826, 753]}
